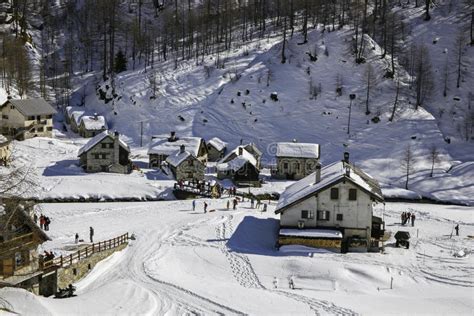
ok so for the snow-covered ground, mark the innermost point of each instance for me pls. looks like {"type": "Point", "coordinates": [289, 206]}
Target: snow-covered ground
{"type": "Point", "coordinates": [185, 262]}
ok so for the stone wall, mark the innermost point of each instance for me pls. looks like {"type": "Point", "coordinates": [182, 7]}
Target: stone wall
{"type": "Point", "coordinates": [80, 269]}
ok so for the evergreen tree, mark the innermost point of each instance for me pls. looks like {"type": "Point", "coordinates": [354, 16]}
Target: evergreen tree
{"type": "Point", "coordinates": [120, 62]}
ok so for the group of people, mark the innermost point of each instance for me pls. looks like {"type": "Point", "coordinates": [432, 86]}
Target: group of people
{"type": "Point", "coordinates": [44, 221]}
{"type": "Point", "coordinates": [407, 216]}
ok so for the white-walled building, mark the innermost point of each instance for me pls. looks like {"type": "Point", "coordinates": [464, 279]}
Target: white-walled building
{"type": "Point", "coordinates": [338, 197]}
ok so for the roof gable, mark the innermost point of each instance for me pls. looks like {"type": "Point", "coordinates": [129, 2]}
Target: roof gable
{"type": "Point", "coordinates": [217, 143]}
{"type": "Point", "coordinates": [99, 138]}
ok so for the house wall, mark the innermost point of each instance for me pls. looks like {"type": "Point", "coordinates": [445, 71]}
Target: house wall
{"type": "Point", "coordinates": [88, 133]}
{"type": "Point", "coordinates": [188, 172]}
{"type": "Point", "coordinates": [12, 120]}
{"type": "Point", "coordinates": [297, 168]}
{"type": "Point", "coordinates": [357, 215]}
{"type": "Point", "coordinates": [214, 154]}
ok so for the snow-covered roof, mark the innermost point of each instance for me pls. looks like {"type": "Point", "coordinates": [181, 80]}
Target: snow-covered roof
{"type": "Point", "coordinates": [238, 161]}
{"type": "Point", "coordinates": [97, 139]}
{"type": "Point", "coordinates": [217, 143]}
{"type": "Point", "coordinates": [163, 146]}
{"type": "Point", "coordinates": [3, 139]}
{"type": "Point", "coordinates": [330, 174]}
{"type": "Point", "coordinates": [30, 107]}
{"type": "Point", "coordinates": [95, 122]}
{"type": "Point", "coordinates": [311, 232]}
{"type": "Point", "coordinates": [297, 150]}
{"type": "Point", "coordinates": [177, 158]}
{"type": "Point", "coordinates": [76, 115]}
{"type": "Point", "coordinates": [253, 149]}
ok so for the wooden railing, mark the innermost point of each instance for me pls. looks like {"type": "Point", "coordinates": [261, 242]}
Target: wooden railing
{"type": "Point", "coordinates": [85, 252]}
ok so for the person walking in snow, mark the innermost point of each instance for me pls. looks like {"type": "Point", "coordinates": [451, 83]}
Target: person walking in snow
{"type": "Point", "coordinates": [264, 207]}
{"type": "Point", "coordinates": [76, 238]}
{"type": "Point", "coordinates": [205, 207]}
{"type": "Point", "coordinates": [402, 218]}
{"type": "Point", "coordinates": [456, 228]}
{"type": "Point", "coordinates": [194, 205]}
{"type": "Point", "coordinates": [47, 221]}
{"type": "Point", "coordinates": [91, 234]}
{"type": "Point", "coordinates": [228, 204]}
{"type": "Point", "coordinates": [291, 283]}
{"type": "Point", "coordinates": [412, 219]}
{"type": "Point", "coordinates": [252, 202]}
{"type": "Point", "coordinates": [42, 221]}
{"type": "Point", "coordinates": [234, 204]}
{"type": "Point", "coordinates": [258, 203]}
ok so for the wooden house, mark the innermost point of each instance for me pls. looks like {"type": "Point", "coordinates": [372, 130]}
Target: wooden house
{"type": "Point", "coordinates": [19, 240]}
{"type": "Point", "coordinates": [240, 166]}
{"type": "Point", "coordinates": [5, 151]}
{"type": "Point", "coordinates": [105, 152]}
{"type": "Point", "coordinates": [161, 147]}
{"type": "Point", "coordinates": [23, 119]}
{"type": "Point", "coordinates": [216, 149]}
{"type": "Point", "coordinates": [185, 166]}
{"type": "Point", "coordinates": [91, 125]}
{"type": "Point", "coordinates": [338, 198]}
{"type": "Point", "coordinates": [295, 161]}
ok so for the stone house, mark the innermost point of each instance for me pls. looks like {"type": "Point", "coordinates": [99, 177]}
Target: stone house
{"type": "Point", "coordinates": [240, 166]}
{"type": "Point", "coordinates": [90, 126]}
{"type": "Point", "coordinates": [253, 149]}
{"type": "Point", "coordinates": [105, 152]}
{"type": "Point", "coordinates": [5, 151]}
{"type": "Point", "coordinates": [336, 200]}
{"type": "Point", "coordinates": [23, 119]}
{"type": "Point", "coordinates": [19, 258]}
{"type": "Point", "coordinates": [75, 120]}
{"type": "Point", "coordinates": [161, 147]}
{"type": "Point", "coordinates": [216, 149]}
{"type": "Point", "coordinates": [295, 161]}
{"type": "Point", "coordinates": [185, 166]}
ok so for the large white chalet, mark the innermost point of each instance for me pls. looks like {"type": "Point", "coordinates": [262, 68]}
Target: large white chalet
{"type": "Point", "coordinates": [330, 208]}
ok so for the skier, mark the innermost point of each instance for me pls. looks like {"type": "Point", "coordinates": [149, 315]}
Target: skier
{"type": "Point", "coordinates": [194, 205]}
{"type": "Point", "coordinates": [77, 238]}
{"type": "Point", "coordinates": [91, 234]}
{"type": "Point", "coordinates": [413, 219]}
{"type": "Point", "coordinates": [205, 207]}
{"type": "Point", "coordinates": [456, 228]}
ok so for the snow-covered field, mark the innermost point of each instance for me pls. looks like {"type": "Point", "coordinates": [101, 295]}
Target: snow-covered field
{"type": "Point", "coordinates": [224, 262]}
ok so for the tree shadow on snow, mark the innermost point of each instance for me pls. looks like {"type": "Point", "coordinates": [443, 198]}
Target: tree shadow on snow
{"type": "Point", "coordinates": [258, 236]}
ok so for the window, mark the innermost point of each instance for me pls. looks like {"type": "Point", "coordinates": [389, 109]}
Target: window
{"type": "Point", "coordinates": [190, 162]}
{"type": "Point", "coordinates": [19, 260]}
{"type": "Point", "coordinates": [305, 214]}
{"type": "Point", "coordinates": [111, 145]}
{"type": "Point", "coordinates": [334, 193]}
{"type": "Point", "coordinates": [339, 217]}
{"type": "Point", "coordinates": [12, 107]}
{"type": "Point", "coordinates": [352, 194]}
{"type": "Point", "coordinates": [285, 165]}
{"type": "Point", "coordinates": [103, 145]}
{"type": "Point", "coordinates": [49, 128]}
{"type": "Point", "coordinates": [50, 116]}
{"type": "Point", "coordinates": [31, 118]}
{"type": "Point", "coordinates": [96, 156]}
{"type": "Point", "coordinates": [297, 167]}
{"type": "Point", "coordinates": [40, 129]}
{"type": "Point", "coordinates": [323, 215]}
{"type": "Point", "coordinates": [104, 156]}
{"type": "Point", "coordinates": [103, 168]}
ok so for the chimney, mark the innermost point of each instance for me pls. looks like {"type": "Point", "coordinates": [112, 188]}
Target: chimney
{"type": "Point", "coordinates": [182, 148]}
{"type": "Point", "coordinates": [116, 147]}
{"type": "Point", "coordinates": [346, 157]}
{"type": "Point", "coordinates": [348, 170]}
{"type": "Point", "coordinates": [318, 173]}
{"type": "Point", "coordinates": [241, 151]}
{"type": "Point", "coordinates": [96, 116]}
{"type": "Point", "coordinates": [172, 136]}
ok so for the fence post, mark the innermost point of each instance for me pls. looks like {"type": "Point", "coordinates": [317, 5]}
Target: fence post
{"type": "Point", "coordinates": [61, 258]}
{"type": "Point", "coordinates": [93, 250]}
{"type": "Point", "coordinates": [70, 259]}
{"type": "Point", "coordinates": [78, 255]}
{"type": "Point", "coordinates": [99, 246]}
{"type": "Point", "coordinates": [86, 252]}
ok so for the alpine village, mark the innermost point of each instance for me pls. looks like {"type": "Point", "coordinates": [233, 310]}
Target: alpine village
{"type": "Point", "coordinates": [285, 157]}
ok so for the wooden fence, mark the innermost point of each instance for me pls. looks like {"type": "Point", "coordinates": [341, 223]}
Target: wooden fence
{"type": "Point", "coordinates": [85, 252]}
